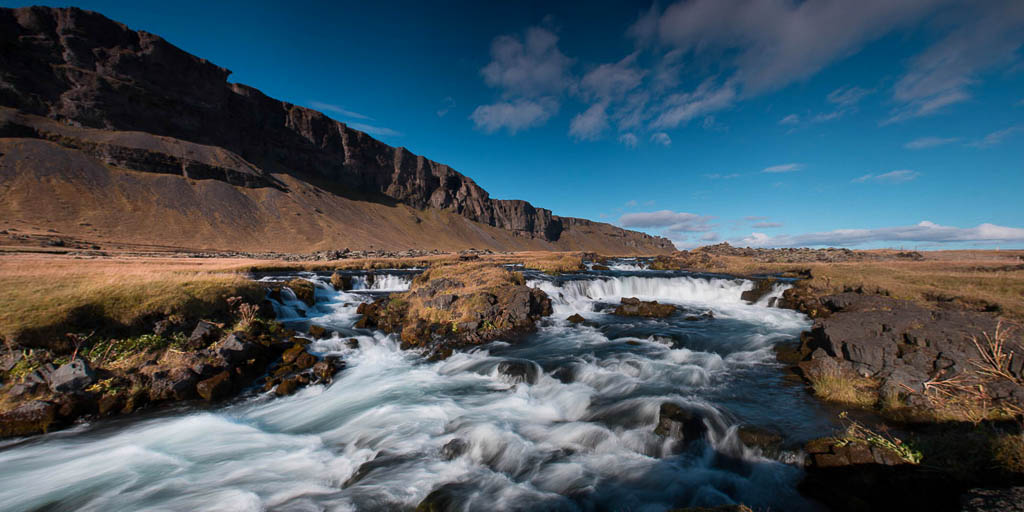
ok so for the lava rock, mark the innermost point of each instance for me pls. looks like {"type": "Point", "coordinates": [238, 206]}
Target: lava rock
{"type": "Point", "coordinates": [203, 335]}
{"type": "Point", "coordinates": [72, 377]}
{"type": "Point", "coordinates": [216, 388]}
{"type": "Point", "coordinates": [33, 417]}
{"type": "Point", "coordinates": [176, 384]}
{"type": "Point", "coordinates": [648, 309]}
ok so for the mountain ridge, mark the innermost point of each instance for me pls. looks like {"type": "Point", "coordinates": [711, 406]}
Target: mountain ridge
{"type": "Point", "coordinates": [105, 87]}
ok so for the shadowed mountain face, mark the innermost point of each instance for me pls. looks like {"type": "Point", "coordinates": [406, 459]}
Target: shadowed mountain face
{"type": "Point", "coordinates": [78, 85]}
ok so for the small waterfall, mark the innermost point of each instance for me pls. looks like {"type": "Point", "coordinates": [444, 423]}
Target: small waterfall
{"type": "Point", "coordinates": [382, 283]}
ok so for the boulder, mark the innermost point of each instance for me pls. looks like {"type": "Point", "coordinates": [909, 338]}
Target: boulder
{"type": "Point", "coordinates": [761, 288]}
{"type": "Point", "coordinates": [758, 437]}
{"type": "Point", "coordinates": [453, 449]}
{"type": "Point", "coordinates": [175, 384]}
{"type": "Point", "coordinates": [305, 360]}
{"type": "Point", "coordinates": [576, 319]}
{"type": "Point", "coordinates": [72, 377]}
{"type": "Point", "coordinates": [204, 334]}
{"type": "Point", "coordinates": [517, 371]}
{"type": "Point", "coordinates": [216, 388]}
{"type": "Point", "coordinates": [1010, 499]}
{"type": "Point", "coordinates": [236, 349]}
{"type": "Point", "coordinates": [30, 418]}
{"type": "Point", "coordinates": [648, 309]}
{"type": "Point", "coordinates": [325, 370]}
{"type": "Point", "coordinates": [679, 423]}
{"type": "Point", "coordinates": [287, 387]}
{"type": "Point", "coordinates": [341, 282]}
{"type": "Point", "coordinates": [317, 331]}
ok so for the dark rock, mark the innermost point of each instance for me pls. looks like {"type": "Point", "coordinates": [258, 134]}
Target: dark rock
{"type": "Point", "coordinates": [236, 349]}
{"type": "Point", "coordinates": [216, 388]}
{"type": "Point", "coordinates": [761, 288]}
{"type": "Point", "coordinates": [993, 500]}
{"type": "Point", "coordinates": [10, 360]}
{"type": "Point", "coordinates": [453, 449]}
{"type": "Point", "coordinates": [175, 384]}
{"type": "Point", "coordinates": [73, 406]}
{"type": "Point", "coordinates": [519, 371]}
{"type": "Point", "coordinates": [649, 309]}
{"type": "Point", "coordinates": [341, 282]}
{"type": "Point", "coordinates": [304, 290]}
{"type": "Point", "coordinates": [317, 331]}
{"type": "Point", "coordinates": [110, 404]}
{"type": "Point", "coordinates": [35, 417]}
{"type": "Point", "coordinates": [203, 335]}
{"type": "Point", "coordinates": [325, 370]}
{"type": "Point", "coordinates": [289, 356]}
{"type": "Point", "coordinates": [679, 423]}
{"type": "Point", "coordinates": [758, 437]}
{"type": "Point", "coordinates": [599, 267]}
{"type": "Point", "coordinates": [287, 387]}
{"type": "Point", "coordinates": [305, 360]}
{"type": "Point", "coordinates": [72, 377]}
{"type": "Point", "coordinates": [576, 319]}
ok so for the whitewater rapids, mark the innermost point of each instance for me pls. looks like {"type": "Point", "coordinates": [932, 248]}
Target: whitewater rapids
{"type": "Point", "coordinates": [578, 438]}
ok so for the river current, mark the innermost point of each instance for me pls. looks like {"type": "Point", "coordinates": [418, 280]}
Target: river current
{"type": "Point", "coordinates": [578, 435]}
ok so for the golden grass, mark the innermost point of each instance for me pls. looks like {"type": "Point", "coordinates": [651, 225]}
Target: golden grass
{"type": "Point", "coordinates": [834, 384]}
{"type": "Point", "coordinates": [476, 278]}
{"type": "Point", "coordinates": [553, 263]}
{"type": "Point", "coordinates": [45, 296]}
{"type": "Point", "coordinates": [980, 280]}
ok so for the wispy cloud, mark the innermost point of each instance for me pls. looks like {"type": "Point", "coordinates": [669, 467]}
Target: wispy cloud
{"type": "Point", "coordinates": [997, 137]}
{"type": "Point", "coordinates": [891, 177]}
{"type": "Point", "coordinates": [922, 232]}
{"type": "Point", "coordinates": [447, 104]}
{"type": "Point", "coordinates": [790, 120]}
{"type": "Point", "coordinates": [678, 222]}
{"type": "Point", "coordinates": [629, 140]}
{"type": "Point", "coordinates": [375, 130]}
{"type": "Point", "coordinates": [717, 176]}
{"type": "Point", "coordinates": [763, 225]}
{"type": "Point", "coordinates": [661, 138]}
{"type": "Point", "coordinates": [336, 109]}
{"type": "Point", "coordinates": [930, 142]}
{"type": "Point", "coordinates": [791, 167]}
{"type": "Point", "coordinates": [590, 124]}
{"type": "Point", "coordinates": [512, 116]}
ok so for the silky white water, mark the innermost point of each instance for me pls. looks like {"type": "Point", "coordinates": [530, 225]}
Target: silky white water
{"type": "Point", "coordinates": [580, 437]}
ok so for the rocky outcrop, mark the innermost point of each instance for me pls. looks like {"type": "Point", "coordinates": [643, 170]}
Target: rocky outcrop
{"type": "Point", "coordinates": [902, 345]}
{"type": "Point", "coordinates": [632, 306]}
{"type": "Point", "coordinates": [454, 306]}
{"type": "Point", "coordinates": [85, 70]}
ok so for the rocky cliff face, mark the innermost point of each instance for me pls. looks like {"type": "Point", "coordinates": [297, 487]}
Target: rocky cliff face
{"type": "Point", "coordinates": [85, 70]}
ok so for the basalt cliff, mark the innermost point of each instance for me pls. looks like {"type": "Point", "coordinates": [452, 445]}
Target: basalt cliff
{"type": "Point", "coordinates": [116, 133]}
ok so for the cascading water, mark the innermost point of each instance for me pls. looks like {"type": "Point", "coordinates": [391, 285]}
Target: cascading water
{"type": "Point", "coordinates": [577, 434]}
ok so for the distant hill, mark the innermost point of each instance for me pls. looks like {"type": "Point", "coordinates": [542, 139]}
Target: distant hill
{"type": "Point", "coordinates": [107, 130]}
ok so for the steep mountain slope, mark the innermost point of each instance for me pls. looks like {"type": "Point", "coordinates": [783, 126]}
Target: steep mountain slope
{"type": "Point", "coordinates": [122, 131]}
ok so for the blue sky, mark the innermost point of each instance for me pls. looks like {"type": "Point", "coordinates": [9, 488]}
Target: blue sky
{"type": "Point", "coordinates": [877, 123]}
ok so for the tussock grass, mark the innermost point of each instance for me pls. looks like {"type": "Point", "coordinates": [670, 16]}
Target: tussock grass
{"type": "Point", "coordinates": [553, 263]}
{"type": "Point", "coordinates": [44, 296]}
{"type": "Point", "coordinates": [835, 384]}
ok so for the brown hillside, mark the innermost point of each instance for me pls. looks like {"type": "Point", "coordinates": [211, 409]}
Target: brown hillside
{"type": "Point", "coordinates": [116, 133]}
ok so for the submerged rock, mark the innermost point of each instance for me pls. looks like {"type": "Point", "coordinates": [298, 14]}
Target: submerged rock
{"type": "Point", "coordinates": [650, 309]}
{"type": "Point", "coordinates": [453, 449]}
{"type": "Point", "coordinates": [519, 371]}
{"type": "Point", "coordinates": [679, 423]}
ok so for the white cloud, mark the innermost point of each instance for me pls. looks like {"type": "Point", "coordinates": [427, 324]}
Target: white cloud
{"type": "Point", "coordinates": [790, 119]}
{"type": "Point", "coordinates": [672, 222]}
{"type": "Point", "coordinates": [613, 80]}
{"type": "Point", "coordinates": [922, 232]}
{"type": "Point", "coordinates": [661, 138]}
{"type": "Point", "coordinates": [891, 177]}
{"type": "Point", "coordinates": [590, 124]}
{"type": "Point", "coordinates": [996, 138]}
{"type": "Point", "coordinates": [775, 43]}
{"type": "Point", "coordinates": [930, 142]}
{"type": "Point", "coordinates": [513, 116]}
{"type": "Point", "coordinates": [710, 236]}
{"type": "Point", "coordinates": [847, 97]}
{"type": "Point", "coordinates": [528, 67]}
{"type": "Point", "coordinates": [447, 105]}
{"type": "Point", "coordinates": [532, 74]}
{"type": "Point", "coordinates": [752, 218]}
{"type": "Point", "coordinates": [989, 34]}
{"type": "Point", "coordinates": [375, 130]}
{"type": "Point", "coordinates": [764, 225]}
{"type": "Point", "coordinates": [680, 108]}
{"type": "Point", "coordinates": [783, 168]}
{"type": "Point", "coordinates": [628, 139]}
{"type": "Point", "coordinates": [321, 106]}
